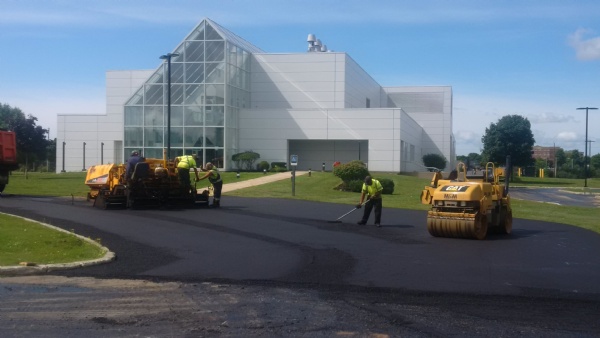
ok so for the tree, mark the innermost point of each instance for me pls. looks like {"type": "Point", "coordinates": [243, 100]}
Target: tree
{"type": "Point", "coordinates": [31, 139]}
{"type": "Point", "coordinates": [434, 160]}
{"type": "Point", "coordinates": [511, 135]}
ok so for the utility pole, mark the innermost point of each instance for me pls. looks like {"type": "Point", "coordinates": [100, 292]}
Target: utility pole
{"type": "Point", "coordinates": [585, 164]}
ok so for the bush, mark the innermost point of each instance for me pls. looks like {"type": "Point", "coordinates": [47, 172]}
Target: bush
{"type": "Point", "coordinates": [245, 160]}
{"type": "Point", "coordinates": [434, 160]}
{"type": "Point", "coordinates": [263, 165]}
{"type": "Point", "coordinates": [280, 165]}
{"type": "Point", "coordinates": [354, 185]}
{"type": "Point", "coordinates": [351, 171]}
{"type": "Point", "coordinates": [278, 169]}
{"type": "Point", "coordinates": [388, 186]}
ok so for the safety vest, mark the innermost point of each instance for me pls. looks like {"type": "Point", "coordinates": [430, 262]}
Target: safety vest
{"type": "Point", "coordinates": [373, 188]}
{"type": "Point", "coordinates": [186, 162]}
{"type": "Point", "coordinates": [214, 177]}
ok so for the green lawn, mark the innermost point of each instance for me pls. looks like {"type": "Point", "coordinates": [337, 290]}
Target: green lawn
{"type": "Point", "coordinates": [25, 241]}
{"type": "Point", "coordinates": [21, 241]}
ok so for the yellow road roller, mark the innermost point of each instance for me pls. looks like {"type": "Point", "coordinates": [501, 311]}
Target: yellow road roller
{"type": "Point", "coordinates": [469, 206]}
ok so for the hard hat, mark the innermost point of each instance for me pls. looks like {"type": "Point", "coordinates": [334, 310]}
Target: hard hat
{"type": "Point", "coordinates": [134, 153]}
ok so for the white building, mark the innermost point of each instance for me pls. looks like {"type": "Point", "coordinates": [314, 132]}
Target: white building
{"type": "Point", "coordinates": [228, 96]}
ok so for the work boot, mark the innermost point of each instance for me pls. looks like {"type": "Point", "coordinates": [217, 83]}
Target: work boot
{"type": "Point", "coordinates": [378, 225]}
{"type": "Point", "coordinates": [361, 222]}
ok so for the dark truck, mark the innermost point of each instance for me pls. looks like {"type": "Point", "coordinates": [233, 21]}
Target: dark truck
{"type": "Point", "coordinates": [8, 156]}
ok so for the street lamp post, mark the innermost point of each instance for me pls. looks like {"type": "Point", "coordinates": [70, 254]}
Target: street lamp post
{"type": "Point", "coordinates": [83, 157]}
{"type": "Point", "coordinates": [168, 57]}
{"type": "Point", "coordinates": [63, 159]}
{"type": "Point", "coordinates": [101, 152]}
{"type": "Point", "coordinates": [586, 143]}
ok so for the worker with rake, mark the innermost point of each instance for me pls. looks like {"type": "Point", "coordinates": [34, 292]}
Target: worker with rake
{"type": "Point", "coordinates": [371, 189]}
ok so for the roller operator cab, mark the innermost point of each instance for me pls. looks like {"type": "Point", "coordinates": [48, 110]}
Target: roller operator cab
{"type": "Point", "coordinates": [468, 206]}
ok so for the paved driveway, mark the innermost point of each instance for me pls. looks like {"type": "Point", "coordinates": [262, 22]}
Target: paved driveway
{"type": "Point", "coordinates": [291, 241]}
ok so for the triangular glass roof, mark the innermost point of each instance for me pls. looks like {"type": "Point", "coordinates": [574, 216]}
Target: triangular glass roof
{"type": "Point", "coordinates": [205, 30]}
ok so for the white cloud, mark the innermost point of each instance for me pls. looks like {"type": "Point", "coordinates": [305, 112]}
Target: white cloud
{"type": "Point", "coordinates": [550, 118]}
{"type": "Point", "coordinates": [585, 49]}
{"type": "Point", "coordinates": [566, 136]}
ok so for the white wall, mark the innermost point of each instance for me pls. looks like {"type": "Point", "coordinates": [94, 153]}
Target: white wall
{"type": "Point", "coordinates": [267, 131]}
{"type": "Point", "coordinates": [431, 108]}
{"type": "Point", "coordinates": [94, 130]}
{"type": "Point", "coordinates": [297, 81]}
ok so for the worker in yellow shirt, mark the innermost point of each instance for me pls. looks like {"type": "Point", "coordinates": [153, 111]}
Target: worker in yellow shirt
{"type": "Point", "coordinates": [184, 164]}
{"type": "Point", "coordinates": [371, 189]}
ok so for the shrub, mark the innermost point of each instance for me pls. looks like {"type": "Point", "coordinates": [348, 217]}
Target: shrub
{"type": "Point", "coordinates": [278, 169]}
{"type": "Point", "coordinates": [388, 186]}
{"type": "Point", "coordinates": [351, 171]}
{"type": "Point", "coordinates": [354, 185]}
{"type": "Point", "coordinates": [434, 160]}
{"type": "Point", "coordinates": [280, 165]}
{"type": "Point", "coordinates": [263, 165]}
{"type": "Point", "coordinates": [245, 159]}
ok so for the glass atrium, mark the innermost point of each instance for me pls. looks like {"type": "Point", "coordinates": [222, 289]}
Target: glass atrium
{"type": "Point", "coordinates": [210, 83]}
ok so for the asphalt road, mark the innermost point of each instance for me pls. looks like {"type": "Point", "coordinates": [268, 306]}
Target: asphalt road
{"type": "Point", "coordinates": [278, 267]}
{"type": "Point", "coordinates": [558, 196]}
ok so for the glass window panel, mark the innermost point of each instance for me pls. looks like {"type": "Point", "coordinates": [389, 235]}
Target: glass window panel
{"type": "Point", "coordinates": [193, 116]}
{"type": "Point", "coordinates": [194, 72]}
{"type": "Point", "coordinates": [134, 116]}
{"type": "Point", "coordinates": [153, 136]}
{"type": "Point", "coordinates": [240, 59]}
{"type": "Point", "coordinates": [215, 156]}
{"type": "Point", "coordinates": [133, 136]}
{"type": "Point", "coordinates": [215, 115]}
{"type": "Point", "coordinates": [232, 54]}
{"type": "Point", "coordinates": [176, 152]}
{"type": "Point", "coordinates": [153, 116]}
{"type": "Point", "coordinates": [194, 51]}
{"type": "Point", "coordinates": [137, 98]}
{"type": "Point", "coordinates": [194, 94]}
{"type": "Point", "coordinates": [176, 116]}
{"type": "Point", "coordinates": [154, 94]}
{"type": "Point", "coordinates": [193, 136]}
{"type": "Point", "coordinates": [176, 136]}
{"type": "Point", "coordinates": [215, 94]}
{"type": "Point", "coordinates": [245, 61]}
{"type": "Point", "coordinates": [215, 51]}
{"type": "Point", "coordinates": [211, 33]}
{"type": "Point", "coordinates": [215, 72]}
{"type": "Point", "coordinates": [153, 152]}
{"type": "Point", "coordinates": [176, 72]}
{"type": "Point", "coordinates": [157, 77]}
{"type": "Point", "coordinates": [198, 33]}
{"type": "Point", "coordinates": [214, 136]}
{"type": "Point", "coordinates": [176, 94]}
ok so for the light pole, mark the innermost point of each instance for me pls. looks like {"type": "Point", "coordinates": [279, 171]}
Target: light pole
{"type": "Point", "coordinates": [83, 157]}
{"type": "Point", "coordinates": [101, 152]}
{"type": "Point", "coordinates": [586, 143]}
{"type": "Point", "coordinates": [168, 57]}
{"type": "Point", "coordinates": [63, 159]}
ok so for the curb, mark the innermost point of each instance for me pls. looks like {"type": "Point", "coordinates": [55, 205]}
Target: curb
{"type": "Point", "coordinates": [18, 270]}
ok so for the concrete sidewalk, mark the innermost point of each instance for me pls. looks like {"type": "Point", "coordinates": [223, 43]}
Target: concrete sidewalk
{"type": "Point", "coordinates": [227, 187]}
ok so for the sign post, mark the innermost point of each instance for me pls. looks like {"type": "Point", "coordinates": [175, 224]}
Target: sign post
{"type": "Point", "coordinates": [294, 163]}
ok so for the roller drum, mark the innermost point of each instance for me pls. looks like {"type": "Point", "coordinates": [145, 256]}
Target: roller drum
{"type": "Point", "coordinates": [457, 225]}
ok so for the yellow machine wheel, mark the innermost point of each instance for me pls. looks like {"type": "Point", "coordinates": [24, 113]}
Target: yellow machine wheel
{"type": "Point", "coordinates": [480, 227]}
{"type": "Point", "coordinates": [506, 222]}
{"type": "Point", "coordinates": [472, 227]}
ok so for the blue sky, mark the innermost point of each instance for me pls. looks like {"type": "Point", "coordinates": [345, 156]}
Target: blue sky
{"type": "Point", "coordinates": [539, 59]}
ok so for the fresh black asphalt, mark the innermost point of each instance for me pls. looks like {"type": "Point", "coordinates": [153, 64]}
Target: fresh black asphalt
{"type": "Point", "coordinates": [287, 241]}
